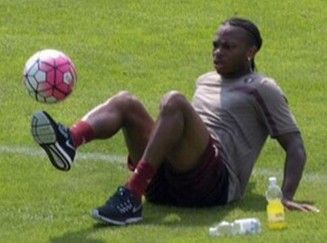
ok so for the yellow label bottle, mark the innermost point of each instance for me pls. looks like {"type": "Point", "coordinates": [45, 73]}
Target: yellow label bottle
{"type": "Point", "coordinates": [275, 207]}
{"type": "Point", "coordinates": [276, 214]}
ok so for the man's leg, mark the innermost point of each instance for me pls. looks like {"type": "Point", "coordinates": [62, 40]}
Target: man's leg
{"type": "Point", "coordinates": [179, 135]}
{"type": "Point", "coordinates": [122, 111]}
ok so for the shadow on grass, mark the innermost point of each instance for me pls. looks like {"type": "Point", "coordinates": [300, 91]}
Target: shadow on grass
{"type": "Point", "coordinates": [252, 202]}
{"type": "Point", "coordinates": [164, 215]}
{"type": "Point", "coordinates": [82, 236]}
{"type": "Point", "coordinates": [157, 215]}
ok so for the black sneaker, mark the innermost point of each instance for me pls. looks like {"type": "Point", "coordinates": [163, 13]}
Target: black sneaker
{"type": "Point", "coordinates": [55, 139]}
{"type": "Point", "coordinates": [120, 209]}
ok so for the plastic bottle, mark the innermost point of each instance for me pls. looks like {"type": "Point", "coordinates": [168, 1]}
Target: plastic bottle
{"type": "Point", "coordinates": [275, 208]}
{"type": "Point", "coordinates": [237, 227]}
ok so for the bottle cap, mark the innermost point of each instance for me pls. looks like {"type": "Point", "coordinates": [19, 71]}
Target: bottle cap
{"type": "Point", "coordinates": [272, 180]}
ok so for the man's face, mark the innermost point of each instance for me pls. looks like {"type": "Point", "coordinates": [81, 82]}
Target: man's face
{"type": "Point", "coordinates": [231, 51]}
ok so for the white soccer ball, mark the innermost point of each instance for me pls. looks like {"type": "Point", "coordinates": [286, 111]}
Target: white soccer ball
{"type": "Point", "coordinates": [49, 76]}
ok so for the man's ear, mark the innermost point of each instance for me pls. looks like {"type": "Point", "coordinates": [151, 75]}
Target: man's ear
{"type": "Point", "coordinates": [252, 52]}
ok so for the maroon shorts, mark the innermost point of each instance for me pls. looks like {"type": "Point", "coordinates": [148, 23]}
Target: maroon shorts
{"type": "Point", "coordinates": [203, 186]}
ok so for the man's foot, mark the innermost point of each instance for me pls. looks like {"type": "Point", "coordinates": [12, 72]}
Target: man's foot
{"type": "Point", "coordinates": [120, 209]}
{"type": "Point", "coordinates": [55, 139]}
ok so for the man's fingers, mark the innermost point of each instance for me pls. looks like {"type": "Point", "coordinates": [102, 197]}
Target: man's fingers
{"type": "Point", "coordinates": [301, 207]}
{"type": "Point", "coordinates": [312, 208]}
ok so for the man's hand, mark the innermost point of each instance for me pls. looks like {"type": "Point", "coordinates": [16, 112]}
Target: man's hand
{"type": "Point", "coordinates": [303, 207]}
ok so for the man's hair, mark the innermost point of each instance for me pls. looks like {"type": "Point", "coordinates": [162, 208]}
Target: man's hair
{"type": "Point", "coordinates": [251, 29]}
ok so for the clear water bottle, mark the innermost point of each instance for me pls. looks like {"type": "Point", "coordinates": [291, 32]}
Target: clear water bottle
{"type": "Point", "coordinates": [275, 207]}
{"type": "Point", "coordinates": [237, 227]}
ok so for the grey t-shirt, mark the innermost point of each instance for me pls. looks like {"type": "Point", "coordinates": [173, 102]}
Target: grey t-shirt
{"type": "Point", "coordinates": [240, 114]}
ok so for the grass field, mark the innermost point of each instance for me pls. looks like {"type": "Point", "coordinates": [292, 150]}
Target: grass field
{"type": "Point", "coordinates": [150, 47]}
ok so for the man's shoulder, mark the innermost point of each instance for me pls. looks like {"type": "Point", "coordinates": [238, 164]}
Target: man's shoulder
{"type": "Point", "coordinates": [260, 81]}
{"type": "Point", "coordinates": [268, 84]}
{"type": "Point", "coordinates": [262, 86]}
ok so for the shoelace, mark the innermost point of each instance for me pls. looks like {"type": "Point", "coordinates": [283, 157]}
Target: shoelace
{"type": "Point", "coordinates": [117, 198]}
{"type": "Point", "coordinates": [121, 201]}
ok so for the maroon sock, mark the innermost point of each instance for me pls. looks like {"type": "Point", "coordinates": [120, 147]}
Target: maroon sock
{"type": "Point", "coordinates": [141, 178]}
{"type": "Point", "coordinates": [81, 133]}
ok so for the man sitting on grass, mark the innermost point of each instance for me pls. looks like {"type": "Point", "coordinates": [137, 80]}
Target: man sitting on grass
{"type": "Point", "coordinates": [195, 154]}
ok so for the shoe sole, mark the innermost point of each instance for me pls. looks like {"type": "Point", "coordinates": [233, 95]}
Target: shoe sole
{"type": "Point", "coordinates": [44, 133]}
{"type": "Point", "coordinates": [97, 216]}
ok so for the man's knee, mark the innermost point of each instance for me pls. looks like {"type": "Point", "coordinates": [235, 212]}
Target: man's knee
{"type": "Point", "coordinates": [123, 98]}
{"type": "Point", "coordinates": [173, 100]}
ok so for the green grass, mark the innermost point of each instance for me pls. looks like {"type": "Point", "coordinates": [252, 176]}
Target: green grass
{"type": "Point", "coordinates": [150, 47]}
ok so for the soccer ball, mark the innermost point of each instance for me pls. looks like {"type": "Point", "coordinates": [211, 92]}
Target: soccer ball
{"type": "Point", "coordinates": [49, 76]}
